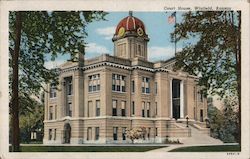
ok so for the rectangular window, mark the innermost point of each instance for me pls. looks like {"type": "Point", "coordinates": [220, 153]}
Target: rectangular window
{"type": "Point", "coordinates": [69, 110]}
{"type": "Point", "coordinates": [133, 108]}
{"type": "Point", "coordinates": [98, 108]}
{"type": "Point", "coordinates": [89, 109]}
{"type": "Point", "coordinates": [156, 88]}
{"type": "Point", "coordinates": [156, 108]}
{"type": "Point", "coordinates": [55, 134]}
{"type": "Point", "coordinates": [55, 111]}
{"type": "Point", "coordinates": [156, 132]}
{"type": "Point", "coordinates": [51, 113]}
{"type": "Point", "coordinates": [89, 133]}
{"type": "Point", "coordinates": [143, 109]}
{"type": "Point", "coordinates": [145, 85]}
{"type": "Point", "coordinates": [124, 133]}
{"type": "Point", "coordinates": [148, 109]}
{"type": "Point", "coordinates": [114, 107]}
{"type": "Point", "coordinates": [149, 132]}
{"type": "Point", "coordinates": [123, 106]}
{"type": "Point", "coordinates": [115, 132]}
{"type": "Point", "coordinates": [201, 95]}
{"type": "Point", "coordinates": [94, 83]}
{"type": "Point", "coordinates": [97, 133]}
{"type": "Point", "coordinates": [52, 92]}
{"type": "Point", "coordinates": [133, 86]}
{"type": "Point", "coordinates": [69, 86]}
{"type": "Point", "coordinates": [50, 134]}
{"type": "Point", "coordinates": [118, 83]}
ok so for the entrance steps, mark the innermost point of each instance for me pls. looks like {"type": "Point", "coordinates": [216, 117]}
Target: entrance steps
{"type": "Point", "coordinates": [199, 135]}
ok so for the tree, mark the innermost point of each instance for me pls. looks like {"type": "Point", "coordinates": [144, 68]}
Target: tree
{"type": "Point", "coordinates": [31, 120]}
{"type": "Point", "coordinates": [33, 37]}
{"type": "Point", "coordinates": [136, 133]}
{"type": "Point", "coordinates": [214, 54]}
{"type": "Point", "coordinates": [224, 123]}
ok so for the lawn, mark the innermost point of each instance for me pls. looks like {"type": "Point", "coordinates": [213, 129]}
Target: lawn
{"type": "Point", "coordinates": [88, 148]}
{"type": "Point", "coordinates": [221, 148]}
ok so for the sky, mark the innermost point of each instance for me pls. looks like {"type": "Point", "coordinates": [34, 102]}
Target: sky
{"type": "Point", "coordinates": [100, 33]}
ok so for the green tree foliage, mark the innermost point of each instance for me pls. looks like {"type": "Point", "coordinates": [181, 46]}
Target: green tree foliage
{"type": "Point", "coordinates": [214, 54]}
{"type": "Point", "coordinates": [33, 36]}
{"type": "Point", "coordinates": [224, 123]}
{"type": "Point", "coordinates": [31, 120]}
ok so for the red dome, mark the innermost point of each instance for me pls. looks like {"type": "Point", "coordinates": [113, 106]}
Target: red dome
{"type": "Point", "coordinates": [130, 23]}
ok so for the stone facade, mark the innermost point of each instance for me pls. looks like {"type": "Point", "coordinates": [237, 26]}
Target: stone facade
{"type": "Point", "coordinates": [96, 100]}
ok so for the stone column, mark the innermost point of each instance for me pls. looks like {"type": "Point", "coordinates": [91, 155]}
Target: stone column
{"type": "Point", "coordinates": [182, 99]}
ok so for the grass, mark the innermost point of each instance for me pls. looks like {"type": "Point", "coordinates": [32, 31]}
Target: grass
{"type": "Point", "coordinates": [221, 148]}
{"type": "Point", "coordinates": [88, 148]}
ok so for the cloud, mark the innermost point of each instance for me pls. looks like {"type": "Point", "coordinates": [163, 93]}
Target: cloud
{"type": "Point", "coordinates": [157, 53]}
{"type": "Point", "coordinates": [93, 50]}
{"type": "Point", "coordinates": [53, 64]}
{"type": "Point", "coordinates": [107, 32]}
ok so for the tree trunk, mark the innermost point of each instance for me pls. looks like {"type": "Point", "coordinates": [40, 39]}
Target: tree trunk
{"type": "Point", "coordinates": [15, 97]}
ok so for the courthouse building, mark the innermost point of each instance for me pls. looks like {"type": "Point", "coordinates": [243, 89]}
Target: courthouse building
{"type": "Point", "coordinates": [97, 99]}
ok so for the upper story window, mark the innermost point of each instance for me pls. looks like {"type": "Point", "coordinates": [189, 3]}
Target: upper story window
{"type": "Point", "coordinates": [133, 108]}
{"type": "Point", "coordinates": [123, 106]}
{"type": "Point", "coordinates": [69, 110]}
{"type": "Point", "coordinates": [201, 96]}
{"type": "Point", "coordinates": [145, 85]}
{"type": "Point", "coordinates": [133, 86]}
{"type": "Point", "coordinates": [118, 83]}
{"type": "Point", "coordinates": [50, 112]}
{"type": "Point", "coordinates": [97, 107]}
{"type": "Point", "coordinates": [143, 109]}
{"type": "Point", "coordinates": [94, 83]}
{"type": "Point", "coordinates": [148, 109]}
{"type": "Point", "coordinates": [68, 85]}
{"type": "Point", "coordinates": [52, 92]}
{"type": "Point", "coordinates": [114, 107]}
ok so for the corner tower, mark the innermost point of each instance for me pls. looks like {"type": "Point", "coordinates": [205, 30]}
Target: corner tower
{"type": "Point", "coordinates": [130, 39]}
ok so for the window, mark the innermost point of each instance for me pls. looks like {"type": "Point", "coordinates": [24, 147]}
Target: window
{"type": "Point", "coordinates": [149, 132]}
{"type": "Point", "coordinates": [123, 106]}
{"type": "Point", "coordinates": [124, 133]}
{"type": "Point", "coordinates": [133, 86]}
{"type": "Point", "coordinates": [55, 111]}
{"type": "Point", "coordinates": [89, 108]}
{"type": "Point", "coordinates": [97, 133]}
{"type": "Point", "coordinates": [50, 134]}
{"type": "Point", "coordinates": [69, 112]}
{"type": "Point", "coordinates": [51, 113]}
{"type": "Point", "coordinates": [118, 83]}
{"type": "Point", "coordinates": [156, 88]}
{"type": "Point", "coordinates": [201, 96]}
{"type": "Point", "coordinates": [94, 83]}
{"type": "Point", "coordinates": [156, 132]}
{"type": "Point", "coordinates": [98, 108]}
{"type": "Point", "coordinates": [89, 133]}
{"type": "Point", "coordinates": [52, 92]}
{"type": "Point", "coordinates": [69, 86]}
{"type": "Point", "coordinates": [145, 85]}
{"type": "Point", "coordinates": [143, 109]}
{"type": "Point", "coordinates": [55, 134]}
{"type": "Point", "coordinates": [115, 131]}
{"type": "Point", "coordinates": [114, 106]}
{"type": "Point", "coordinates": [148, 109]}
{"type": "Point", "coordinates": [133, 108]}
{"type": "Point", "coordinates": [156, 108]}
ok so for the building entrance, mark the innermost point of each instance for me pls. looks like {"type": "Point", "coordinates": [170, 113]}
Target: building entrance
{"type": "Point", "coordinates": [67, 133]}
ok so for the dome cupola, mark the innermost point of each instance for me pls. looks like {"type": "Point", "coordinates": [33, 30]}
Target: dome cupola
{"type": "Point", "coordinates": [130, 26]}
{"type": "Point", "coordinates": [130, 38]}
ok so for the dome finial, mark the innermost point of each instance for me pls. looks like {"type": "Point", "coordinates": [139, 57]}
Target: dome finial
{"type": "Point", "coordinates": [130, 13]}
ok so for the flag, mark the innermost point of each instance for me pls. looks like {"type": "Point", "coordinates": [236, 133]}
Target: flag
{"type": "Point", "coordinates": [171, 18]}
